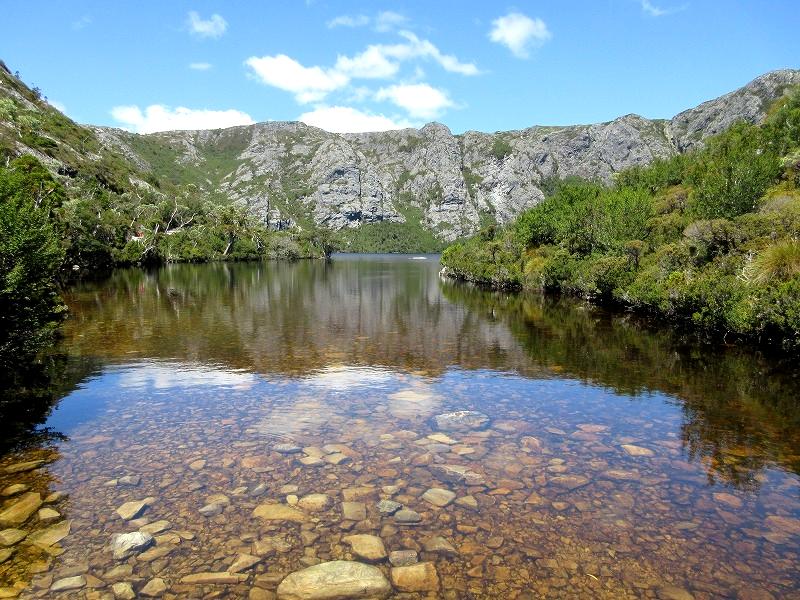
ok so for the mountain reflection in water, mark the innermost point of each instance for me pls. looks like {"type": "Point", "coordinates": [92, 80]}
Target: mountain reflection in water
{"type": "Point", "coordinates": [643, 458]}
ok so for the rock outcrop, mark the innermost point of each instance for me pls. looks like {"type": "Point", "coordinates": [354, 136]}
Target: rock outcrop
{"type": "Point", "coordinates": [293, 175]}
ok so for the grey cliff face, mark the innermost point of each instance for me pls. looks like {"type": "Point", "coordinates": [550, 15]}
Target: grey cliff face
{"type": "Point", "coordinates": [291, 173]}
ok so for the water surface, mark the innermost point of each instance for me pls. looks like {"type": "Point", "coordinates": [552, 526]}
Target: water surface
{"type": "Point", "coordinates": [619, 461]}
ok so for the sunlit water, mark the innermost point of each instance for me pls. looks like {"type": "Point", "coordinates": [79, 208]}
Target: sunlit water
{"type": "Point", "coordinates": [617, 462]}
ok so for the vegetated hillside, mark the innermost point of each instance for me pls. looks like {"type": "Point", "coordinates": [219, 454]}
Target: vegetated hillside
{"type": "Point", "coordinates": [407, 190]}
{"type": "Point", "coordinates": [709, 237]}
{"type": "Point", "coordinates": [118, 210]}
{"type": "Point", "coordinates": [424, 185]}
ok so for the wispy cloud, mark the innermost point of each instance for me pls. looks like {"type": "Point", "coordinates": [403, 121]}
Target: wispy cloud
{"type": "Point", "coordinates": [82, 22]}
{"type": "Point", "coordinates": [158, 117]}
{"type": "Point", "coordinates": [519, 33]}
{"type": "Point", "coordinates": [213, 27]}
{"type": "Point", "coordinates": [389, 20]}
{"type": "Point", "coordinates": [382, 22]}
{"type": "Point", "coordinates": [200, 66]}
{"type": "Point", "coordinates": [348, 21]}
{"type": "Point", "coordinates": [652, 10]}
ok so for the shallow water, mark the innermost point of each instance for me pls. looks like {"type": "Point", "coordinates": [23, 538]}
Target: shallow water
{"type": "Point", "coordinates": [619, 461]}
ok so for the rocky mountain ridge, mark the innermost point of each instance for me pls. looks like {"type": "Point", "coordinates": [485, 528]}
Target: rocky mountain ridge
{"type": "Point", "coordinates": [291, 174]}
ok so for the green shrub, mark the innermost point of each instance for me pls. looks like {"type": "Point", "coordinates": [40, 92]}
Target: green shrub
{"type": "Point", "coordinates": [30, 257]}
{"type": "Point", "coordinates": [778, 262]}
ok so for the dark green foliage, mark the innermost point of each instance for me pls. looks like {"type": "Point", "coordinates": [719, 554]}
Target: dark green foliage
{"type": "Point", "coordinates": [500, 148]}
{"type": "Point", "coordinates": [30, 256]}
{"type": "Point", "coordinates": [708, 238]}
{"type": "Point", "coordinates": [732, 173]}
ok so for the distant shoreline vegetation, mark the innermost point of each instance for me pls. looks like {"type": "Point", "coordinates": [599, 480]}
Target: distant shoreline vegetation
{"type": "Point", "coordinates": [709, 239]}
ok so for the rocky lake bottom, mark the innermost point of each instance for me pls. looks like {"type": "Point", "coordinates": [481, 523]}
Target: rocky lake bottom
{"type": "Point", "coordinates": [363, 430]}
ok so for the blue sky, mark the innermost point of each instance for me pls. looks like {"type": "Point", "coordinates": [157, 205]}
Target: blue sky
{"type": "Point", "coordinates": [354, 66]}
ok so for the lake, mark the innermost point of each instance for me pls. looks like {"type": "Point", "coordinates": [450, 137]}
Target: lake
{"type": "Point", "coordinates": [254, 420]}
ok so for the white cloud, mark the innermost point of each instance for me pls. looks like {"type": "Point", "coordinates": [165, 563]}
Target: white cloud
{"type": "Point", "coordinates": [419, 99]}
{"type": "Point", "coordinates": [348, 21]}
{"type": "Point", "coordinates": [383, 60]}
{"type": "Point", "coordinates": [388, 20]}
{"type": "Point", "coordinates": [308, 84]}
{"type": "Point", "coordinates": [371, 63]}
{"type": "Point", "coordinates": [212, 27]}
{"type": "Point", "coordinates": [519, 33]}
{"type": "Point", "coordinates": [345, 119]}
{"type": "Point", "coordinates": [656, 11]}
{"type": "Point", "coordinates": [158, 117]}
{"type": "Point", "coordinates": [200, 66]}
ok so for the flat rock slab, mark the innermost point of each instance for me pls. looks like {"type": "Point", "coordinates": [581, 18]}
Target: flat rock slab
{"type": "Point", "coordinates": [366, 547]}
{"type": "Point", "coordinates": [9, 537]}
{"type": "Point", "coordinates": [335, 580]}
{"type": "Point", "coordinates": [388, 507]}
{"type": "Point", "coordinates": [68, 583]}
{"type": "Point", "coordinates": [124, 545]}
{"type": "Point", "coordinates": [279, 512]}
{"type": "Point", "coordinates": [14, 489]}
{"type": "Point", "coordinates": [218, 578]}
{"type": "Point", "coordinates": [439, 497]}
{"type": "Point", "coordinates": [21, 510]}
{"type": "Point", "coordinates": [244, 562]}
{"type": "Point", "coordinates": [457, 474]}
{"type": "Point", "coordinates": [633, 450]}
{"type": "Point", "coordinates": [354, 511]}
{"type": "Point", "coordinates": [461, 420]}
{"type": "Point", "coordinates": [50, 536]}
{"type": "Point", "coordinates": [24, 467]}
{"type": "Point", "coordinates": [133, 509]}
{"type": "Point", "coordinates": [403, 558]}
{"type": "Point", "coordinates": [315, 502]}
{"type": "Point", "coordinates": [407, 516]}
{"type": "Point", "coordinates": [421, 577]}
{"type": "Point", "coordinates": [154, 588]}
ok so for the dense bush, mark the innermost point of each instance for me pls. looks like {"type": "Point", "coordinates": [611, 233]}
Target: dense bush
{"type": "Point", "coordinates": [708, 238]}
{"type": "Point", "coordinates": [30, 257]}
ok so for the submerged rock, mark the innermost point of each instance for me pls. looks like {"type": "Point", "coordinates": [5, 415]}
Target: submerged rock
{"type": "Point", "coordinates": [14, 489]}
{"type": "Point", "coordinates": [222, 578]}
{"type": "Point", "coordinates": [24, 467]}
{"type": "Point", "coordinates": [68, 583]}
{"type": "Point", "coordinates": [335, 580]}
{"type": "Point", "coordinates": [9, 537]}
{"type": "Point", "coordinates": [403, 558]}
{"type": "Point", "coordinates": [123, 591]}
{"type": "Point", "coordinates": [21, 510]}
{"type": "Point", "coordinates": [287, 449]}
{"type": "Point", "coordinates": [388, 507]}
{"type": "Point", "coordinates": [133, 509]}
{"type": "Point", "coordinates": [421, 577]}
{"type": "Point", "coordinates": [124, 545]}
{"type": "Point", "coordinates": [279, 512]}
{"type": "Point", "coordinates": [439, 497]}
{"type": "Point", "coordinates": [50, 536]}
{"type": "Point", "coordinates": [457, 474]}
{"type": "Point", "coordinates": [315, 502]}
{"type": "Point", "coordinates": [354, 511]}
{"type": "Point", "coordinates": [461, 420]}
{"type": "Point", "coordinates": [407, 516]}
{"type": "Point", "coordinates": [367, 547]}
